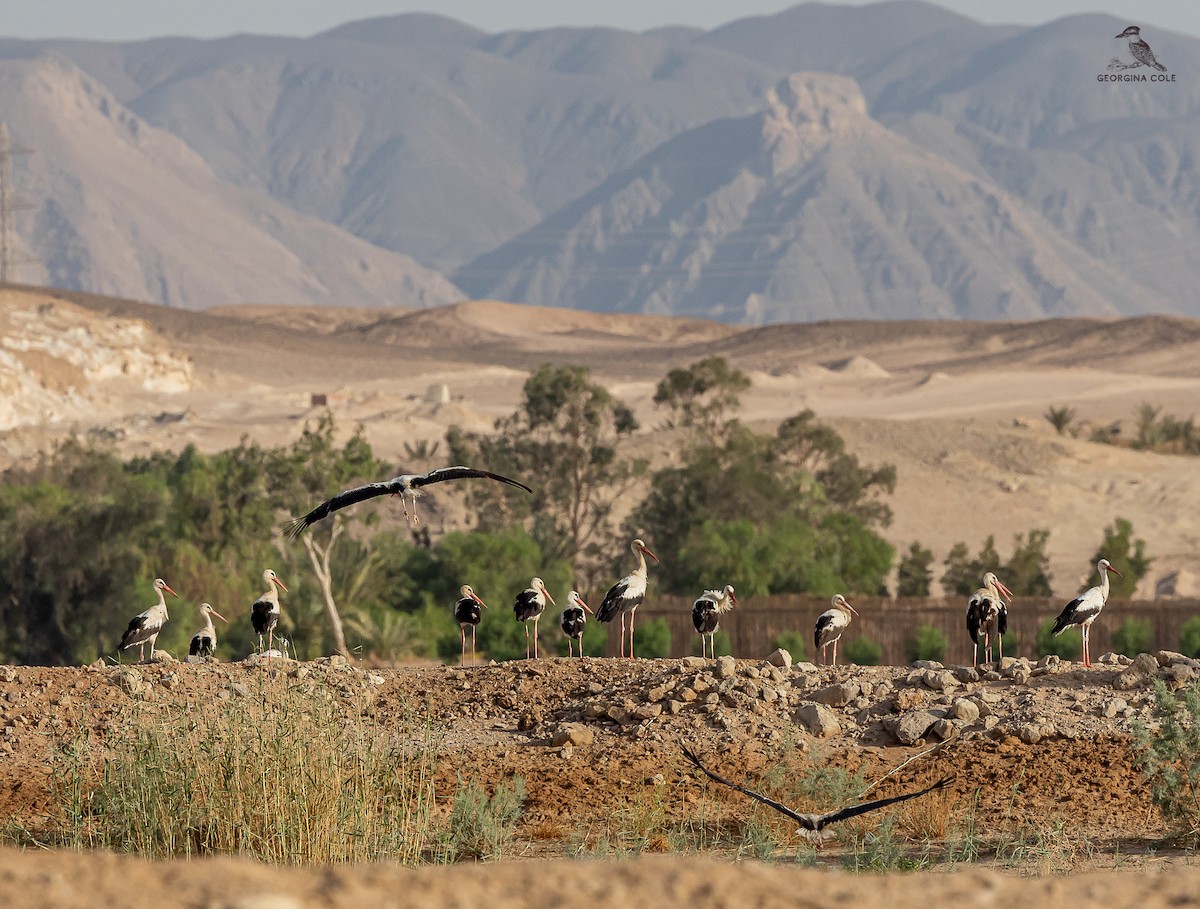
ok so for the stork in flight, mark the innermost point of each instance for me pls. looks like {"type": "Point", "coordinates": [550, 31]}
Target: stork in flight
{"type": "Point", "coordinates": [706, 615]}
{"type": "Point", "coordinates": [265, 611]}
{"type": "Point", "coordinates": [145, 626]}
{"type": "Point", "coordinates": [468, 611]}
{"type": "Point", "coordinates": [1082, 610]}
{"type": "Point", "coordinates": [572, 621]}
{"type": "Point", "coordinates": [204, 641]}
{"type": "Point", "coordinates": [529, 604]}
{"type": "Point", "coordinates": [813, 826]}
{"type": "Point", "coordinates": [987, 613]}
{"type": "Point", "coordinates": [627, 594]}
{"type": "Point", "coordinates": [406, 486]}
{"type": "Point", "coordinates": [830, 625]}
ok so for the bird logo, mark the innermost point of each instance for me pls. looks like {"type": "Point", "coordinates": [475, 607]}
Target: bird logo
{"type": "Point", "coordinates": [1139, 50]}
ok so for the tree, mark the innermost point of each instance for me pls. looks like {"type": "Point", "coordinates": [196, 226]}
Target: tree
{"type": "Point", "coordinates": [700, 397]}
{"type": "Point", "coordinates": [864, 652]}
{"type": "Point", "coordinates": [963, 574]}
{"type": "Point", "coordinates": [927, 643]}
{"type": "Point", "coordinates": [566, 434]}
{"type": "Point", "coordinates": [1133, 637]}
{"type": "Point", "coordinates": [915, 576]}
{"type": "Point", "coordinates": [1027, 571]}
{"type": "Point", "coordinates": [1125, 554]}
{"type": "Point", "coordinates": [1068, 644]}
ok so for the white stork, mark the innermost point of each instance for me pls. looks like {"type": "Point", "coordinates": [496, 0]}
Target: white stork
{"type": "Point", "coordinates": [264, 612]}
{"type": "Point", "coordinates": [529, 604]}
{"type": "Point", "coordinates": [145, 626]}
{"type": "Point", "coordinates": [813, 826]}
{"type": "Point", "coordinates": [830, 625]}
{"type": "Point", "coordinates": [407, 486]}
{"type": "Point", "coordinates": [1084, 608]}
{"type": "Point", "coordinates": [627, 594]}
{"type": "Point", "coordinates": [706, 615]}
{"type": "Point", "coordinates": [986, 612]}
{"type": "Point", "coordinates": [468, 611]}
{"type": "Point", "coordinates": [204, 641]}
{"type": "Point", "coordinates": [573, 621]}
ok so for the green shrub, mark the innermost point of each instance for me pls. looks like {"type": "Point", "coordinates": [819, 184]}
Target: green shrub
{"type": "Point", "coordinates": [1189, 637]}
{"type": "Point", "coordinates": [1068, 645]}
{"type": "Point", "coordinates": [482, 826]}
{"type": "Point", "coordinates": [652, 639]}
{"type": "Point", "coordinates": [928, 643]}
{"type": "Point", "coordinates": [1169, 755]}
{"type": "Point", "coordinates": [1133, 637]}
{"type": "Point", "coordinates": [794, 643]}
{"type": "Point", "coordinates": [864, 652]}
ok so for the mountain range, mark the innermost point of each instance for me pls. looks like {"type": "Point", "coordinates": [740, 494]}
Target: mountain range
{"type": "Point", "coordinates": [887, 161]}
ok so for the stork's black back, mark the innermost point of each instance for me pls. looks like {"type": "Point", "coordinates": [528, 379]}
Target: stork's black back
{"type": "Point", "coordinates": [573, 622]}
{"type": "Point", "coordinates": [705, 617]}
{"type": "Point", "coordinates": [527, 605]}
{"type": "Point", "coordinates": [263, 616]}
{"type": "Point", "coordinates": [823, 622]}
{"type": "Point", "coordinates": [467, 611]}
{"type": "Point", "coordinates": [135, 626]}
{"type": "Point", "coordinates": [202, 645]}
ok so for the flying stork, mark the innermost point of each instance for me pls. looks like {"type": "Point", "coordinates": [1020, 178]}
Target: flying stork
{"type": "Point", "coordinates": [627, 594]}
{"type": "Point", "coordinates": [706, 614]}
{"type": "Point", "coordinates": [145, 626]}
{"type": "Point", "coordinates": [1082, 610]}
{"type": "Point", "coordinates": [529, 604]}
{"type": "Point", "coordinates": [573, 621]}
{"type": "Point", "coordinates": [264, 612]}
{"type": "Point", "coordinates": [407, 486]}
{"type": "Point", "coordinates": [813, 826]}
{"type": "Point", "coordinates": [986, 612]}
{"type": "Point", "coordinates": [204, 641]}
{"type": "Point", "coordinates": [830, 625]}
{"type": "Point", "coordinates": [468, 611]}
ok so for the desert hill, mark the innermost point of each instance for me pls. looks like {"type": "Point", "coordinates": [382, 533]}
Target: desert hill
{"type": "Point", "coordinates": [957, 406]}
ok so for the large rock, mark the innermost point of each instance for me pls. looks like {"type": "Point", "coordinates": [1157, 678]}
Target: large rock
{"type": "Point", "coordinates": [726, 667]}
{"type": "Point", "coordinates": [1139, 673]}
{"type": "Point", "coordinates": [939, 679]}
{"type": "Point", "coordinates": [818, 719]}
{"type": "Point", "coordinates": [836, 695]}
{"type": "Point", "coordinates": [780, 657]}
{"type": "Point", "coordinates": [914, 726]}
{"type": "Point", "coordinates": [572, 734]}
{"type": "Point", "coordinates": [967, 711]}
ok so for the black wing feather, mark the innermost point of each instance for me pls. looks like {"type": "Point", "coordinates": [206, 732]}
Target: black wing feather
{"type": "Point", "coordinates": [1066, 618]}
{"type": "Point", "coordinates": [463, 473]}
{"type": "Point", "coordinates": [855, 810]}
{"type": "Point", "coordinates": [339, 501]}
{"type": "Point", "coordinates": [801, 819]}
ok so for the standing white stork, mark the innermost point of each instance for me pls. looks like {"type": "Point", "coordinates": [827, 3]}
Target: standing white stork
{"type": "Point", "coordinates": [529, 604]}
{"type": "Point", "coordinates": [264, 612]}
{"type": "Point", "coordinates": [627, 594]}
{"type": "Point", "coordinates": [706, 615]}
{"type": "Point", "coordinates": [1082, 610]}
{"type": "Point", "coordinates": [145, 626]}
{"type": "Point", "coordinates": [830, 625]}
{"type": "Point", "coordinates": [468, 611]}
{"type": "Point", "coordinates": [204, 641]}
{"type": "Point", "coordinates": [986, 612]}
{"type": "Point", "coordinates": [407, 486]}
{"type": "Point", "coordinates": [572, 621]}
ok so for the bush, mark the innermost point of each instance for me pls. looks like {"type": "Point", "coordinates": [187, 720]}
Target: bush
{"type": "Point", "coordinates": [481, 826]}
{"type": "Point", "coordinates": [864, 652]}
{"type": "Point", "coordinates": [1068, 645]}
{"type": "Point", "coordinates": [794, 643]}
{"type": "Point", "coordinates": [722, 646]}
{"type": "Point", "coordinates": [1133, 637]}
{"type": "Point", "coordinates": [1189, 637]}
{"type": "Point", "coordinates": [652, 639]}
{"type": "Point", "coordinates": [928, 643]}
{"type": "Point", "coordinates": [914, 574]}
{"type": "Point", "coordinates": [1169, 755]}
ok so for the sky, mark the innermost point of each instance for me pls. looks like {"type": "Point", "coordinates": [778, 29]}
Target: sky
{"type": "Point", "coordinates": [123, 20]}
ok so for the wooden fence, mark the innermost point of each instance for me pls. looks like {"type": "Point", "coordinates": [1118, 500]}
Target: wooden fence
{"type": "Point", "coordinates": [754, 624]}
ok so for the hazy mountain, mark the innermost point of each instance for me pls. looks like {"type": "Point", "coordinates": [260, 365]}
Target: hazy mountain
{"type": "Point", "coordinates": [122, 208]}
{"type": "Point", "coordinates": [966, 170]}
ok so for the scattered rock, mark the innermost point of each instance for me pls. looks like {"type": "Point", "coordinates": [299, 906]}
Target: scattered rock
{"type": "Point", "coordinates": [8, 674]}
{"type": "Point", "coordinates": [966, 674]}
{"type": "Point", "coordinates": [946, 729]}
{"type": "Point", "coordinates": [1020, 674]}
{"type": "Point", "coordinates": [128, 680]}
{"type": "Point", "coordinates": [659, 693]}
{"type": "Point", "coordinates": [805, 666]}
{"type": "Point", "coordinates": [1139, 673]}
{"type": "Point", "coordinates": [648, 711]}
{"type": "Point", "coordinates": [1114, 707]}
{"type": "Point", "coordinates": [913, 726]}
{"type": "Point", "coordinates": [1167, 657]}
{"type": "Point", "coordinates": [780, 658]}
{"type": "Point", "coordinates": [528, 720]}
{"type": "Point", "coordinates": [693, 662]}
{"type": "Point", "coordinates": [575, 734]}
{"type": "Point", "coordinates": [241, 689]}
{"type": "Point", "coordinates": [927, 664]}
{"type": "Point", "coordinates": [967, 711]}
{"type": "Point", "coordinates": [300, 672]}
{"type": "Point", "coordinates": [836, 695]}
{"type": "Point", "coordinates": [726, 667]}
{"type": "Point", "coordinates": [939, 680]}
{"type": "Point", "coordinates": [1031, 733]}
{"type": "Point", "coordinates": [818, 719]}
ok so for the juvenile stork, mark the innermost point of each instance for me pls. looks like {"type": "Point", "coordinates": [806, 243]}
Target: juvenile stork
{"type": "Point", "coordinates": [529, 606]}
{"type": "Point", "coordinates": [468, 611]}
{"type": "Point", "coordinates": [627, 594]}
{"type": "Point", "coordinates": [406, 486]}
{"type": "Point", "coordinates": [706, 615]}
{"type": "Point", "coordinates": [987, 613]}
{"type": "Point", "coordinates": [204, 641]}
{"type": "Point", "coordinates": [813, 826]}
{"type": "Point", "coordinates": [830, 625]}
{"type": "Point", "coordinates": [145, 626]}
{"type": "Point", "coordinates": [1082, 610]}
{"type": "Point", "coordinates": [264, 612]}
{"type": "Point", "coordinates": [573, 621]}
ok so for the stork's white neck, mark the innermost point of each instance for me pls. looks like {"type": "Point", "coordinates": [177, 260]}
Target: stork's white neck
{"type": "Point", "coordinates": [162, 601]}
{"type": "Point", "coordinates": [1103, 579]}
